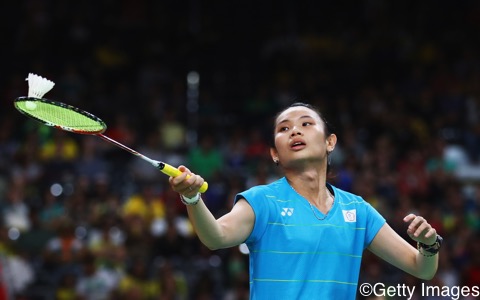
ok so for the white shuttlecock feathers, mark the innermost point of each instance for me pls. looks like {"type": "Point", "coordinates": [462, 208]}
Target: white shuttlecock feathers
{"type": "Point", "coordinates": [38, 86]}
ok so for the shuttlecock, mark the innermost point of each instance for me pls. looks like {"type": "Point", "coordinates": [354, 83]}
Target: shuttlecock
{"type": "Point", "coordinates": [38, 86]}
{"type": "Point", "coordinates": [30, 105]}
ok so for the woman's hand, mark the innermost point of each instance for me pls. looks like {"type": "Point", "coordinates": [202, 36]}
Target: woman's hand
{"type": "Point", "coordinates": [419, 230]}
{"type": "Point", "coordinates": [186, 184]}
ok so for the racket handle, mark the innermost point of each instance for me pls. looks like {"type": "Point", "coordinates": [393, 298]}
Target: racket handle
{"type": "Point", "coordinates": [172, 171]}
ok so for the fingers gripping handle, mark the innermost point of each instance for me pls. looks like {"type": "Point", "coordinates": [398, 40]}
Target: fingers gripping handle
{"type": "Point", "coordinates": [172, 171]}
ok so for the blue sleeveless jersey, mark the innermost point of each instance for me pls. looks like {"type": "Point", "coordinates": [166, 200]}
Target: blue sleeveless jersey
{"type": "Point", "coordinates": [294, 255]}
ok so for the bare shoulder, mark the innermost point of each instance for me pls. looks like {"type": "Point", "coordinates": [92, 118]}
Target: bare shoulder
{"type": "Point", "coordinates": [388, 241]}
{"type": "Point", "coordinates": [243, 209]}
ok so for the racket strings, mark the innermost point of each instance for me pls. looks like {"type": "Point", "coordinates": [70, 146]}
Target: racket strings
{"type": "Point", "coordinates": [64, 117]}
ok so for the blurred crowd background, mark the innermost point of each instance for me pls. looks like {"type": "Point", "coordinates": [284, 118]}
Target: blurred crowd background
{"type": "Point", "coordinates": [198, 83]}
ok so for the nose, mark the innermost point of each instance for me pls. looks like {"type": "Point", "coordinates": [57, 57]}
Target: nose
{"type": "Point", "coordinates": [296, 131]}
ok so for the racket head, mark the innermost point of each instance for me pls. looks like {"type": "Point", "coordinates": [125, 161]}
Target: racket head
{"type": "Point", "coordinates": [60, 115]}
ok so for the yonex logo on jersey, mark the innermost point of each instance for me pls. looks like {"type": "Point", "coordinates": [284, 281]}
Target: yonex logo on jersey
{"type": "Point", "coordinates": [287, 211]}
{"type": "Point", "coordinates": [350, 215]}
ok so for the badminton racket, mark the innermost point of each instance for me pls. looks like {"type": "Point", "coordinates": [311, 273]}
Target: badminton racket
{"type": "Point", "coordinates": [69, 118]}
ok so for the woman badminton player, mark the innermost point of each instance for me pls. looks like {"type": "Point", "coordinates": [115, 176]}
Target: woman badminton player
{"type": "Point", "coordinates": [305, 236]}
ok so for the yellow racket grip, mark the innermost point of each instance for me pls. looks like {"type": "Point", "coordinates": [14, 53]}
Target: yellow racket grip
{"type": "Point", "coordinates": [172, 171]}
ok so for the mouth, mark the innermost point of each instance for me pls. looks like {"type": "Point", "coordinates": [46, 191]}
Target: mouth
{"type": "Point", "coordinates": [297, 145]}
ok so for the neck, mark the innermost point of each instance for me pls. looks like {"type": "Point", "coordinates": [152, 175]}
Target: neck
{"type": "Point", "coordinates": [312, 186]}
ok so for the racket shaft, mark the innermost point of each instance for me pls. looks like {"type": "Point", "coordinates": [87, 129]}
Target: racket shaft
{"type": "Point", "coordinates": [163, 167]}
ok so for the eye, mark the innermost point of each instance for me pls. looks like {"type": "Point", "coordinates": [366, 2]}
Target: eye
{"type": "Point", "coordinates": [284, 128]}
{"type": "Point", "coordinates": [307, 123]}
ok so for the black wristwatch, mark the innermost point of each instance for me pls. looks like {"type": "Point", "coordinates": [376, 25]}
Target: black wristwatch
{"type": "Point", "coordinates": [431, 249]}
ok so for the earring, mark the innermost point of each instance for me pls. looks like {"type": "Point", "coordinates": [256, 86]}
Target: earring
{"type": "Point", "coordinates": [275, 161]}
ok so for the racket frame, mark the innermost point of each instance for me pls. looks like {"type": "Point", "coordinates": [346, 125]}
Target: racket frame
{"type": "Point", "coordinates": [65, 106]}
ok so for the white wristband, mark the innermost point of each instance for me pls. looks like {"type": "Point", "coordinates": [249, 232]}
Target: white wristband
{"type": "Point", "coordinates": [190, 201]}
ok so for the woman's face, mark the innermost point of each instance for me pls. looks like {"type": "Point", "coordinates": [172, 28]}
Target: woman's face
{"type": "Point", "coordinates": [299, 137]}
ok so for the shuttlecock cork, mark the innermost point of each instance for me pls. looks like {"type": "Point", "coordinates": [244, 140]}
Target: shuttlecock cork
{"type": "Point", "coordinates": [37, 87]}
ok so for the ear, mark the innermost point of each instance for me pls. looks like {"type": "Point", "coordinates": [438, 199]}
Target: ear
{"type": "Point", "coordinates": [331, 142]}
{"type": "Point", "coordinates": [274, 154]}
